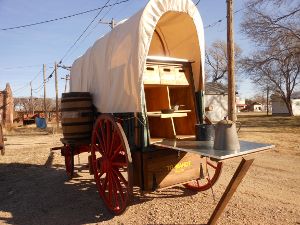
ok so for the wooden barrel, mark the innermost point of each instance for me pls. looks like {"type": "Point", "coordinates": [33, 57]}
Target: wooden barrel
{"type": "Point", "coordinates": [77, 116]}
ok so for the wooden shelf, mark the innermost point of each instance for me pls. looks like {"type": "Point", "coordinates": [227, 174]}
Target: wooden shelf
{"type": "Point", "coordinates": [177, 137]}
{"type": "Point", "coordinates": [178, 113]}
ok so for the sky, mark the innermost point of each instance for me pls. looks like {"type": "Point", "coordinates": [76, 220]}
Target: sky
{"type": "Point", "coordinates": [23, 51]}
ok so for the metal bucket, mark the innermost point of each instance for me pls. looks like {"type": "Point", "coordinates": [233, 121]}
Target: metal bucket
{"type": "Point", "coordinates": [205, 132]}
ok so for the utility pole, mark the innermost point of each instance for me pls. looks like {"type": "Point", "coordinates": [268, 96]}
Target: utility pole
{"type": "Point", "coordinates": [44, 76]}
{"type": "Point", "coordinates": [56, 91]}
{"type": "Point", "coordinates": [31, 99]}
{"type": "Point", "coordinates": [230, 55]}
{"type": "Point", "coordinates": [66, 78]}
{"type": "Point", "coordinates": [267, 100]}
{"type": "Point", "coordinates": [112, 23]}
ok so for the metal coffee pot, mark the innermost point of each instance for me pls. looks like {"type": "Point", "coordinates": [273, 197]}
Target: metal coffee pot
{"type": "Point", "coordinates": [226, 137]}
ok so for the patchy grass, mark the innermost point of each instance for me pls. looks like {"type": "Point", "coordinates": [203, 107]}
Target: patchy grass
{"type": "Point", "coordinates": [284, 132]}
{"type": "Point", "coordinates": [262, 120]}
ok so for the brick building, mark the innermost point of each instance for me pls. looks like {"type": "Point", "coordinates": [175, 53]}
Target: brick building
{"type": "Point", "coordinates": [6, 106]}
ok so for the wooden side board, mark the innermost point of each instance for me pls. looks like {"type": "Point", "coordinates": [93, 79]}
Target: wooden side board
{"type": "Point", "coordinates": [163, 168]}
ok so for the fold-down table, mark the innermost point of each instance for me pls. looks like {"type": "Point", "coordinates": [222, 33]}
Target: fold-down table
{"type": "Point", "coordinates": [205, 149]}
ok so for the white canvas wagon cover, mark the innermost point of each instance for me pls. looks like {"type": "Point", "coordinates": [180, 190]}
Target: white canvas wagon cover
{"type": "Point", "coordinates": [112, 69]}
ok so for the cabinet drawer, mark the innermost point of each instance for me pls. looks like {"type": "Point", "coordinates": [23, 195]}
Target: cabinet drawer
{"type": "Point", "coordinates": [181, 76]}
{"type": "Point", "coordinates": [151, 75]}
{"type": "Point", "coordinates": [167, 75]}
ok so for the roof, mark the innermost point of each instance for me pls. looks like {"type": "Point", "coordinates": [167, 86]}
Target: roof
{"type": "Point", "coordinates": [112, 69]}
{"type": "Point", "coordinates": [296, 95]}
{"type": "Point", "coordinates": [256, 103]}
{"type": "Point", "coordinates": [215, 88]}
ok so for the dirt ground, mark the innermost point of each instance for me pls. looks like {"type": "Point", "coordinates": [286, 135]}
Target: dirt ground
{"type": "Point", "coordinates": [34, 188]}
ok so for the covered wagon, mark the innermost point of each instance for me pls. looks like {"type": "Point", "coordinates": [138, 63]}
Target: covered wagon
{"type": "Point", "coordinates": [144, 81]}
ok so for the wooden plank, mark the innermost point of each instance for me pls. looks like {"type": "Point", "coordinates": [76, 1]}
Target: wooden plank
{"type": "Point", "coordinates": [166, 115]}
{"type": "Point", "coordinates": [230, 190]}
{"type": "Point", "coordinates": [177, 111]}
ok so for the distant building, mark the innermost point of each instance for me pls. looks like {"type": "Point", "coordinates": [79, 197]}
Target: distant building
{"type": "Point", "coordinates": [240, 104]}
{"type": "Point", "coordinates": [6, 106]}
{"type": "Point", "coordinates": [216, 97]}
{"type": "Point", "coordinates": [279, 106]}
{"type": "Point", "coordinates": [256, 107]}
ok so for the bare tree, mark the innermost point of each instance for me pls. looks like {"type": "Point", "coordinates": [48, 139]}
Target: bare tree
{"type": "Point", "coordinates": [24, 104]}
{"type": "Point", "coordinates": [274, 26]}
{"type": "Point", "coordinates": [216, 60]}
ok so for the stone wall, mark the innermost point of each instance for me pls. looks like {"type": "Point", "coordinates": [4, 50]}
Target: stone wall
{"type": "Point", "coordinates": [6, 106]}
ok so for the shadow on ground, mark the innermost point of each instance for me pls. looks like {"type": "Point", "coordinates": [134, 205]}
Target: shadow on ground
{"type": "Point", "coordinates": [31, 194]}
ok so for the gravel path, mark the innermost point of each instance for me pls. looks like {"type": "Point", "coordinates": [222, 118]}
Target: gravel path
{"type": "Point", "coordinates": [34, 188]}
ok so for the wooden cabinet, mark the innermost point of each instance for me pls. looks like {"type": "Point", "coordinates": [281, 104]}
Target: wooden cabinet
{"type": "Point", "coordinates": [167, 85]}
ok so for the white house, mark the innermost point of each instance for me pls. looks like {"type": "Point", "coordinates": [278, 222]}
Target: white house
{"type": "Point", "coordinates": [240, 104]}
{"type": "Point", "coordinates": [256, 107]}
{"type": "Point", "coordinates": [279, 107]}
{"type": "Point", "coordinates": [216, 97]}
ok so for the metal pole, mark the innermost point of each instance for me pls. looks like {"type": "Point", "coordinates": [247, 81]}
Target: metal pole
{"type": "Point", "coordinates": [56, 91]}
{"type": "Point", "coordinates": [230, 53]}
{"type": "Point", "coordinates": [44, 76]}
{"type": "Point", "coordinates": [31, 99]}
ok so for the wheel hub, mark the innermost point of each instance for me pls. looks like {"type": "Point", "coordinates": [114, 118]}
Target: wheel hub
{"type": "Point", "coordinates": [105, 164]}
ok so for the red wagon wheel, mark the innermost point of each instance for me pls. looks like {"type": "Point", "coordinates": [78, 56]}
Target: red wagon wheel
{"type": "Point", "coordinates": [112, 164]}
{"type": "Point", "coordinates": [210, 174]}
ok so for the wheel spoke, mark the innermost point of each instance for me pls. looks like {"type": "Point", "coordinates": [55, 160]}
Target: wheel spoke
{"type": "Point", "coordinates": [100, 174]}
{"type": "Point", "coordinates": [108, 137]}
{"type": "Point", "coordinates": [103, 139]}
{"type": "Point", "coordinates": [212, 165]}
{"type": "Point", "coordinates": [115, 191]}
{"type": "Point", "coordinates": [119, 187]}
{"type": "Point", "coordinates": [121, 178]}
{"type": "Point", "coordinates": [98, 148]}
{"type": "Point", "coordinates": [109, 187]}
{"type": "Point", "coordinates": [116, 152]}
{"type": "Point", "coordinates": [100, 142]}
{"type": "Point", "coordinates": [105, 183]}
{"type": "Point", "coordinates": [112, 143]}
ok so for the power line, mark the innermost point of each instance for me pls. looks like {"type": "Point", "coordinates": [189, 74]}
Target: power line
{"type": "Point", "coordinates": [60, 18]}
{"type": "Point", "coordinates": [93, 28]}
{"type": "Point", "coordinates": [19, 67]}
{"type": "Point", "coordinates": [198, 2]}
{"type": "Point", "coordinates": [221, 20]}
{"type": "Point", "coordinates": [72, 46]}
{"type": "Point", "coordinates": [27, 84]}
